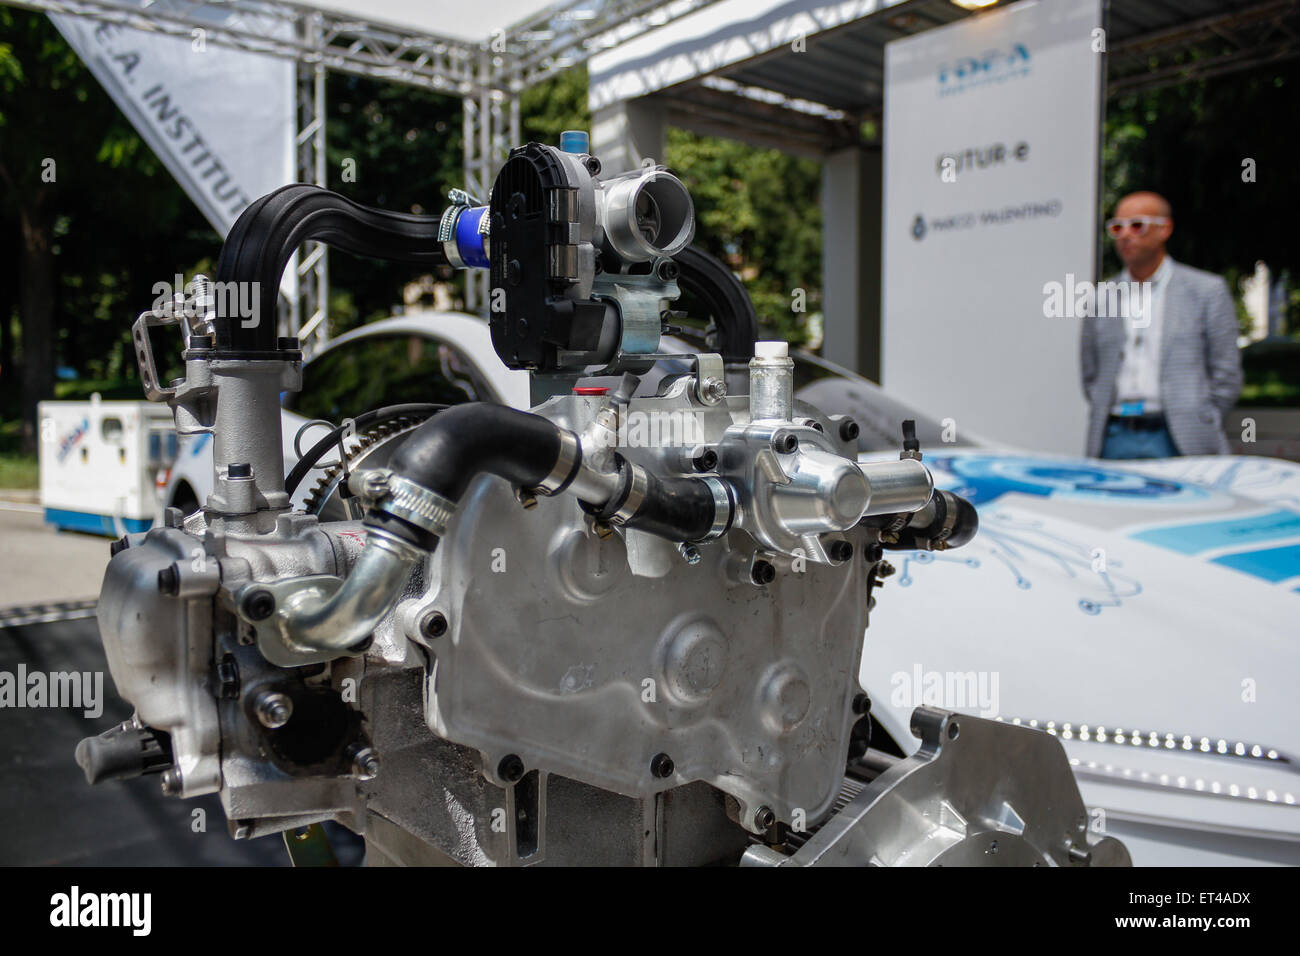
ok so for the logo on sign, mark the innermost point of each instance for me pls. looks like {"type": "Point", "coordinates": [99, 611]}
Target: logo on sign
{"type": "Point", "coordinates": [992, 66]}
{"type": "Point", "coordinates": [69, 441]}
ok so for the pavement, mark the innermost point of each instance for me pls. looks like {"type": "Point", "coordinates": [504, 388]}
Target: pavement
{"type": "Point", "coordinates": [49, 815]}
{"type": "Point", "coordinates": [39, 564]}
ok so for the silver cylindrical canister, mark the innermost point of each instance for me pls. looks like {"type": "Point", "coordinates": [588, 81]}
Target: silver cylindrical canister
{"type": "Point", "coordinates": [897, 486]}
{"type": "Point", "coordinates": [771, 382]}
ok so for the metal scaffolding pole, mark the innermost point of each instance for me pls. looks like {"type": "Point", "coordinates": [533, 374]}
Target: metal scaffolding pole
{"type": "Point", "coordinates": [310, 294]}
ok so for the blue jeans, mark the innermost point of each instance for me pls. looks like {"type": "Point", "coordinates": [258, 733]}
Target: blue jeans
{"type": "Point", "coordinates": [1124, 442]}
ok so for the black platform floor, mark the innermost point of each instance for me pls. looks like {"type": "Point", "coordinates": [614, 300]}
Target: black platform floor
{"type": "Point", "coordinates": [49, 815]}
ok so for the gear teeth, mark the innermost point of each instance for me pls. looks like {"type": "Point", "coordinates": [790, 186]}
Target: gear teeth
{"type": "Point", "coordinates": [361, 441]}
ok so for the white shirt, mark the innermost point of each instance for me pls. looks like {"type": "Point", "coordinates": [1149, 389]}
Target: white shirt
{"type": "Point", "coordinates": [1137, 389]}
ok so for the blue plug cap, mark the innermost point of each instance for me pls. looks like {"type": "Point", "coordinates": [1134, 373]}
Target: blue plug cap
{"type": "Point", "coordinates": [575, 141]}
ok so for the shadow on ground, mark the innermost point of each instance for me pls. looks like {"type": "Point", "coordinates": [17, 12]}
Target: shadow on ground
{"type": "Point", "coordinates": [49, 815]}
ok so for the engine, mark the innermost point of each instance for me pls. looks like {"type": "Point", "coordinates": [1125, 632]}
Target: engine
{"type": "Point", "coordinates": [622, 628]}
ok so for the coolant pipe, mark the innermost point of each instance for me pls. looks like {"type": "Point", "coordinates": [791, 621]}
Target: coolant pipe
{"type": "Point", "coordinates": [343, 620]}
{"type": "Point", "coordinates": [442, 457]}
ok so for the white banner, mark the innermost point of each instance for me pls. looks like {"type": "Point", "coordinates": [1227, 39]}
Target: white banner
{"type": "Point", "coordinates": [222, 121]}
{"type": "Point", "coordinates": [990, 138]}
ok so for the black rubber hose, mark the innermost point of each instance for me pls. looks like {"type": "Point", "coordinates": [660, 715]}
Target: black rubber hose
{"type": "Point", "coordinates": [451, 449]}
{"type": "Point", "coordinates": [267, 233]}
{"type": "Point", "coordinates": [722, 296]}
{"type": "Point", "coordinates": [680, 509]}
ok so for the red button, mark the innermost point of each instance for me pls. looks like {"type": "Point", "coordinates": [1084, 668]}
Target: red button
{"type": "Point", "coordinates": [590, 390]}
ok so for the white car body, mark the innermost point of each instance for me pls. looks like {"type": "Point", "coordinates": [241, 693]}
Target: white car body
{"type": "Point", "coordinates": [1102, 597]}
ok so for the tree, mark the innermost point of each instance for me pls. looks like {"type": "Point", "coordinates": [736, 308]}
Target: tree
{"type": "Point", "coordinates": [1194, 143]}
{"type": "Point", "coordinates": [95, 218]}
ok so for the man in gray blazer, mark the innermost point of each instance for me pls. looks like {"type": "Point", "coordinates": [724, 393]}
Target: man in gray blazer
{"type": "Point", "coordinates": [1161, 377]}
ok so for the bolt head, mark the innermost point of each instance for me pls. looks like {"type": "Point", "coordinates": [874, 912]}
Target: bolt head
{"type": "Point", "coordinates": [689, 552]}
{"type": "Point", "coordinates": [169, 580]}
{"type": "Point", "coordinates": [764, 818]}
{"type": "Point", "coordinates": [706, 460]}
{"type": "Point", "coordinates": [526, 499]}
{"type": "Point", "coordinates": [274, 709]}
{"type": "Point", "coordinates": [365, 764]}
{"type": "Point", "coordinates": [433, 625]}
{"type": "Point", "coordinates": [785, 443]}
{"type": "Point", "coordinates": [171, 782]}
{"type": "Point", "coordinates": [849, 430]}
{"type": "Point", "coordinates": [375, 484]}
{"type": "Point", "coordinates": [713, 390]}
{"type": "Point", "coordinates": [662, 766]}
{"type": "Point", "coordinates": [511, 768]}
{"type": "Point", "coordinates": [840, 550]}
{"type": "Point", "coordinates": [259, 605]}
{"type": "Point", "coordinates": [763, 572]}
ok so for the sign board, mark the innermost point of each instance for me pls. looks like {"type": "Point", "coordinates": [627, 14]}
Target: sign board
{"type": "Point", "coordinates": [991, 134]}
{"type": "Point", "coordinates": [223, 121]}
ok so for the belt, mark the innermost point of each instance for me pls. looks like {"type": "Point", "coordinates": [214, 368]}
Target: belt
{"type": "Point", "coordinates": [1141, 423]}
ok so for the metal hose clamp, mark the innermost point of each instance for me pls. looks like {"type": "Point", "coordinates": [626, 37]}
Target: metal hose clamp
{"type": "Point", "coordinates": [416, 505]}
{"type": "Point", "coordinates": [635, 495]}
{"type": "Point", "coordinates": [567, 463]}
{"type": "Point", "coordinates": [724, 507]}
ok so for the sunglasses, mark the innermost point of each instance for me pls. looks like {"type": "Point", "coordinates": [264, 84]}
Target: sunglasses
{"type": "Point", "coordinates": [1137, 224]}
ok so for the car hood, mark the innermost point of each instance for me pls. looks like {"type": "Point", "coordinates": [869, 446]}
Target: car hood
{"type": "Point", "coordinates": [1107, 602]}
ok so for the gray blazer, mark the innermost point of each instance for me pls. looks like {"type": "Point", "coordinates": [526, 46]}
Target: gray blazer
{"type": "Point", "coordinates": [1200, 366]}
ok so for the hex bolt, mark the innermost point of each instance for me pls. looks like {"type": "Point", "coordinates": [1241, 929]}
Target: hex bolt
{"type": "Point", "coordinates": [667, 270]}
{"type": "Point", "coordinates": [849, 430]}
{"type": "Point", "coordinates": [433, 625]}
{"type": "Point", "coordinates": [365, 763]}
{"type": "Point", "coordinates": [259, 605]}
{"type": "Point", "coordinates": [662, 766]}
{"type": "Point", "coordinates": [171, 782]}
{"type": "Point", "coordinates": [689, 552]}
{"type": "Point", "coordinates": [526, 499]}
{"type": "Point", "coordinates": [706, 460]}
{"type": "Point", "coordinates": [764, 818]}
{"type": "Point", "coordinates": [273, 709]}
{"type": "Point", "coordinates": [763, 573]}
{"type": "Point", "coordinates": [784, 443]}
{"type": "Point", "coordinates": [169, 580]}
{"type": "Point", "coordinates": [713, 389]}
{"type": "Point", "coordinates": [861, 704]}
{"type": "Point", "coordinates": [511, 768]}
{"type": "Point", "coordinates": [840, 550]}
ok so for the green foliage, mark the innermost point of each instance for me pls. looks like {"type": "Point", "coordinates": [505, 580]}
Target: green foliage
{"type": "Point", "coordinates": [549, 108]}
{"type": "Point", "coordinates": [759, 210]}
{"type": "Point", "coordinates": [120, 223]}
{"type": "Point", "coordinates": [396, 148]}
{"type": "Point", "coordinates": [1188, 142]}
{"type": "Point", "coordinates": [19, 471]}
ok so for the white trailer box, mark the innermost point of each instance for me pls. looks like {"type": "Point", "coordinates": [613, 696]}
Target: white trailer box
{"type": "Point", "coordinates": [101, 463]}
